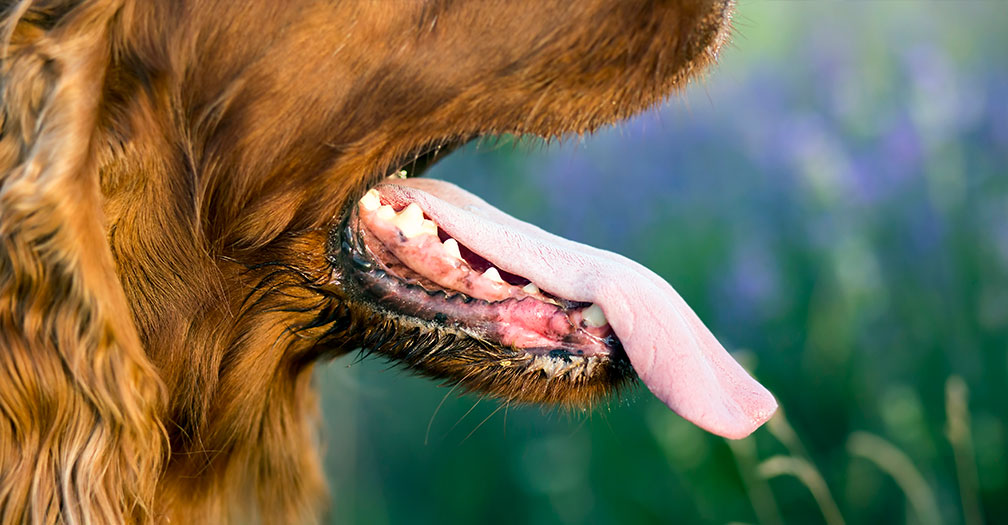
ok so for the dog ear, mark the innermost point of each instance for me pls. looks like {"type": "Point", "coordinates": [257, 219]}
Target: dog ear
{"type": "Point", "coordinates": [80, 438]}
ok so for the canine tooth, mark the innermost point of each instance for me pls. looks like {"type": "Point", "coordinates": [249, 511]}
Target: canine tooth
{"type": "Point", "coordinates": [530, 289]}
{"type": "Point", "coordinates": [386, 213]}
{"type": "Point", "coordinates": [493, 275]}
{"type": "Point", "coordinates": [594, 317]}
{"type": "Point", "coordinates": [410, 220]}
{"type": "Point", "coordinates": [428, 226]}
{"type": "Point", "coordinates": [370, 201]}
{"type": "Point", "coordinates": [451, 246]}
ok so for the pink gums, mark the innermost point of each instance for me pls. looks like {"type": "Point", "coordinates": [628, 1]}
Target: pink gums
{"type": "Point", "coordinates": [528, 321]}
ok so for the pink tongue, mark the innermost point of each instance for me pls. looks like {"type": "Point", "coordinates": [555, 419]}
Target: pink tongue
{"type": "Point", "coordinates": [675, 355]}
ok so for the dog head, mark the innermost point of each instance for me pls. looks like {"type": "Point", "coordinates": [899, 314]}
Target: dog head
{"type": "Point", "coordinates": [194, 206]}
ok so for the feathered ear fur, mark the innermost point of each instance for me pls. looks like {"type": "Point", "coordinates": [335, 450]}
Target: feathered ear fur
{"type": "Point", "coordinates": [80, 440]}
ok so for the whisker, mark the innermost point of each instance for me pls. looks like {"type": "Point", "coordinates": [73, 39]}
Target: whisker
{"type": "Point", "coordinates": [464, 415]}
{"type": "Point", "coordinates": [438, 409]}
{"type": "Point", "coordinates": [481, 422]}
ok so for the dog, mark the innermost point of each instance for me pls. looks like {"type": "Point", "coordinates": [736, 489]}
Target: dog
{"type": "Point", "coordinates": [201, 199]}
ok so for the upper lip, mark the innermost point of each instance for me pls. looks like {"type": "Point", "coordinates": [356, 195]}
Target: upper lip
{"type": "Point", "coordinates": [420, 159]}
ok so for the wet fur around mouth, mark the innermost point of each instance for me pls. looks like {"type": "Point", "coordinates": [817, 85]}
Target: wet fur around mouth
{"type": "Point", "coordinates": [171, 175]}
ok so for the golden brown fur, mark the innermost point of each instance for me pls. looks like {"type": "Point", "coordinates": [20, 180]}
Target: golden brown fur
{"type": "Point", "coordinates": [170, 172]}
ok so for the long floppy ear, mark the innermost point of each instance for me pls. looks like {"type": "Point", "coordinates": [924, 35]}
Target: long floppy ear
{"type": "Point", "coordinates": [80, 440]}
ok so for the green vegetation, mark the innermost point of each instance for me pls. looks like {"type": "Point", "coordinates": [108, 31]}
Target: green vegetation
{"type": "Point", "coordinates": [833, 201]}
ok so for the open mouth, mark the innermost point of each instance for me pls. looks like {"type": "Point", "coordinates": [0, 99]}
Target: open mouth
{"type": "Point", "coordinates": [509, 309]}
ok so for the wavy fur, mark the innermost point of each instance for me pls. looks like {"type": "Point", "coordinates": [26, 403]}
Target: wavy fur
{"type": "Point", "coordinates": [170, 172]}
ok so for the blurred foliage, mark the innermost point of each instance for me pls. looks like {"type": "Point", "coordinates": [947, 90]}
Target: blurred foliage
{"type": "Point", "coordinates": [833, 201]}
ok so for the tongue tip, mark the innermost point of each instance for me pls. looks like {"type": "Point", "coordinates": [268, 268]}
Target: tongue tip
{"type": "Point", "coordinates": [740, 415]}
{"type": "Point", "coordinates": [756, 413]}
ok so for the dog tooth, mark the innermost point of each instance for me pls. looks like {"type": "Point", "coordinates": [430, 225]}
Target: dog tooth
{"type": "Point", "coordinates": [410, 230]}
{"type": "Point", "coordinates": [413, 213]}
{"type": "Point", "coordinates": [370, 201]}
{"type": "Point", "coordinates": [594, 317]}
{"type": "Point", "coordinates": [493, 275]}
{"type": "Point", "coordinates": [451, 246]}
{"type": "Point", "coordinates": [386, 213]}
{"type": "Point", "coordinates": [428, 226]}
{"type": "Point", "coordinates": [410, 220]}
{"type": "Point", "coordinates": [530, 289]}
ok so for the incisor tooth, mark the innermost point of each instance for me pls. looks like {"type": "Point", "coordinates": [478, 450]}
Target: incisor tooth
{"type": "Point", "coordinates": [386, 213]}
{"type": "Point", "coordinates": [530, 289]}
{"type": "Point", "coordinates": [410, 220]}
{"type": "Point", "coordinates": [493, 275]}
{"type": "Point", "coordinates": [370, 201]}
{"type": "Point", "coordinates": [594, 317]}
{"type": "Point", "coordinates": [452, 248]}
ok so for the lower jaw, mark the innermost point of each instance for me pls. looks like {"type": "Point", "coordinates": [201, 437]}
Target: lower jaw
{"type": "Point", "coordinates": [454, 338]}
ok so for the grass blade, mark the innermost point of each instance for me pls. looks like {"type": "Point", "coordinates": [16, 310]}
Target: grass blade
{"type": "Point", "coordinates": [900, 467]}
{"type": "Point", "coordinates": [809, 476]}
{"type": "Point", "coordinates": [959, 435]}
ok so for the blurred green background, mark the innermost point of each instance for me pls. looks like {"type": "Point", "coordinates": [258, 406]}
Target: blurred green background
{"type": "Point", "coordinates": [833, 201]}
